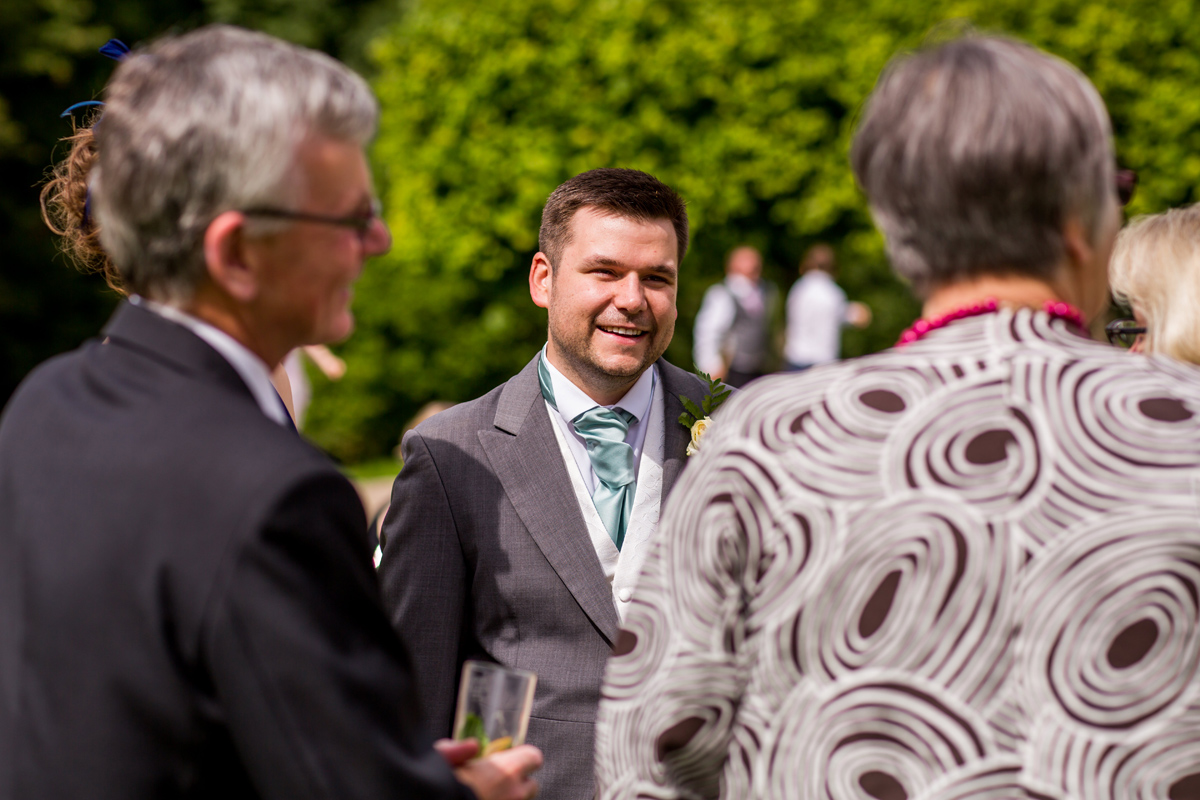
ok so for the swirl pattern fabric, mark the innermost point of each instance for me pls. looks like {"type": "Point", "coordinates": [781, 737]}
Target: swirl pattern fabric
{"type": "Point", "coordinates": [968, 568]}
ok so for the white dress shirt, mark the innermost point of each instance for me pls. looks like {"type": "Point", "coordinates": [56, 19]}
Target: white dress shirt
{"type": "Point", "coordinates": [251, 368]}
{"type": "Point", "coordinates": [816, 312]}
{"type": "Point", "coordinates": [572, 402]}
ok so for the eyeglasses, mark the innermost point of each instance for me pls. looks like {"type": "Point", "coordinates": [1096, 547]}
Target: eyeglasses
{"type": "Point", "coordinates": [359, 222]}
{"type": "Point", "coordinates": [1123, 332]}
{"type": "Point", "coordinates": [1126, 180]}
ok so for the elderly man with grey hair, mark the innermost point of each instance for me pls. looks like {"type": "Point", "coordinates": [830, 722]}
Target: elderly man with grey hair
{"type": "Point", "coordinates": [187, 602]}
{"type": "Point", "coordinates": [963, 567]}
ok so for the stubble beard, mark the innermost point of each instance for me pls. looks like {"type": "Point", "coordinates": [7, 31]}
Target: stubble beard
{"type": "Point", "coordinates": [585, 362]}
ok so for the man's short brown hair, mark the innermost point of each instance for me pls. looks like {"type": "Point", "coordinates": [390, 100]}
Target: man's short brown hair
{"type": "Point", "coordinates": [621, 192]}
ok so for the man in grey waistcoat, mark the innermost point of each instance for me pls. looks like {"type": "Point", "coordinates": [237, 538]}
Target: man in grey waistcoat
{"type": "Point", "coordinates": [733, 327]}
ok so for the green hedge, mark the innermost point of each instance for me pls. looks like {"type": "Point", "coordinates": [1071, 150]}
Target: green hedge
{"type": "Point", "coordinates": [746, 108]}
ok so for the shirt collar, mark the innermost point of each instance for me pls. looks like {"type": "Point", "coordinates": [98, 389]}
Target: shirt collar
{"type": "Point", "coordinates": [572, 401]}
{"type": "Point", "coordinates": [740, 285]}
{"type": "Point", "coordinates": [248, 366]}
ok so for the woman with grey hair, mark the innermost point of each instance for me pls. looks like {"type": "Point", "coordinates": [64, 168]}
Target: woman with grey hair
{"type": "Point", "coordinates": [963, 567]}
{"type": "Point", "coordinates": [1155, 270]}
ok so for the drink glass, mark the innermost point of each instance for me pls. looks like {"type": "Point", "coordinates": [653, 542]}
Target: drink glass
{"type": "Point", "coordinates": [494, 703]}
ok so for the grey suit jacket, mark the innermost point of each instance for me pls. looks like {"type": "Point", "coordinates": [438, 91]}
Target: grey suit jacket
{"type": "Point", "coordinates": [488, 556]}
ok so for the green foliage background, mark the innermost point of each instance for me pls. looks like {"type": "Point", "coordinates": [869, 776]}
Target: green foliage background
{"type": "Point", "coordinates": [48, 61]}
{"type": "Point", "coordinates": [746, 108]}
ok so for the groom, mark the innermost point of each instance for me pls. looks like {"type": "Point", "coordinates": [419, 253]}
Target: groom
{"type": "Point", "coordinates": [521, 519]}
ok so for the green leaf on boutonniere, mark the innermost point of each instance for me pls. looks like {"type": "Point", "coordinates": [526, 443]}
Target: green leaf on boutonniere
{"type": "Point", "coordinates": [717, 394]}
{"type": "Point", "coordinates": [692, 408]}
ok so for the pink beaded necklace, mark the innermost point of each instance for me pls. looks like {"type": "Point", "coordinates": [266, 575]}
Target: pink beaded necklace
{"type": "Point", "coordinates": [919, 329]}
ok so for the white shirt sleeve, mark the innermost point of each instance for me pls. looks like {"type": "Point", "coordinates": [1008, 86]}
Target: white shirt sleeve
{"type": "Point", "coordinates": [713, 322]}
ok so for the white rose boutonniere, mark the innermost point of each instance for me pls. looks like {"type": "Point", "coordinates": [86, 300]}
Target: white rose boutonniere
{"type": "Point", "coordinates": [698, 429]}
{"type": "Point", "coordinates": [697, 419]}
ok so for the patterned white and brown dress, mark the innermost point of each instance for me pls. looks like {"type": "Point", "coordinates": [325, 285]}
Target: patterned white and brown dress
{"type": "Point", "coordinates": [965, 568]}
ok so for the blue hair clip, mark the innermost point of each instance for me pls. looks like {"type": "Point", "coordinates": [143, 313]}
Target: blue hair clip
{"type": "Point", "coordinates": [77, 106]}
{"type": "Point", "coordinates": [115, 49]}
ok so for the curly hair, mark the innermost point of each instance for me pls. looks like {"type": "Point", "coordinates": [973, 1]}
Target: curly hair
{"type": "Point", "coordinates": [64, 206]}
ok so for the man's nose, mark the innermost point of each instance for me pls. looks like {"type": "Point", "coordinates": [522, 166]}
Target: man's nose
{"type": "Point", "coordinates": [629, 294]}
{"type": "Point", "coordinates": [377, 239]}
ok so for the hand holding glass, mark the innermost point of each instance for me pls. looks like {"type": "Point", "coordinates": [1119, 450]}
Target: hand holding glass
{"type": "Point", "coordinates": [494, 703]}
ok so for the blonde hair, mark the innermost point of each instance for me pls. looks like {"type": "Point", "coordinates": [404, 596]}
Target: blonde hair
{"type": "Point", "coordinates": [1155, 267]}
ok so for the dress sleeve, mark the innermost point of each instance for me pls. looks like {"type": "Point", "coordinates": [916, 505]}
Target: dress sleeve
{"type": "Point", "coordinates": [315, 687]}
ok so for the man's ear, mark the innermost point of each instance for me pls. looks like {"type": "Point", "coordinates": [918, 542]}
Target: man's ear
{"type": "Point", "coordinates": [225, 257]}
{"type": "Point", "coordinates": [541, 279]}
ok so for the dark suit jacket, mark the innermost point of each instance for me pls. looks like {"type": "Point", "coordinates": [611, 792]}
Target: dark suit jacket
{"type": "Point", "coordinates": [187, 605]}
{"type": "Point", "coordinates": [488, 556]}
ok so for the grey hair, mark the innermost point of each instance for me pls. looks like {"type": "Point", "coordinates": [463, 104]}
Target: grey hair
{"type": "Point", "coordinates": [204, 123]}
{"type": "Point", "coordinates": [975, 153]}
{"type": "Point", "coordinates": [1155, 268]}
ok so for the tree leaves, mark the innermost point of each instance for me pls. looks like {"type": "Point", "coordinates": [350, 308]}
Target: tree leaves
{"type": "Point", "coordinates": [747, 109]}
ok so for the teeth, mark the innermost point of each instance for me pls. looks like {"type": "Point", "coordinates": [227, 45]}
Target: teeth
{"type": "Point", "coordinates": [622, 331]}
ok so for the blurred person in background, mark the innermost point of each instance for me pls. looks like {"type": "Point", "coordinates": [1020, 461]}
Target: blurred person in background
{"type": "Point", "coordinates": [1155, 271]}
{"type": "Point", "coordinates": [963, 567]}
{"type": "Point", "coordinates": [816, 312]}
{"type": "Point", "coordinates": [331, 366]}
{"type": "Point", "coordinates": [732, 335]}
{"type": "Point", "coordinates": [187, 602]}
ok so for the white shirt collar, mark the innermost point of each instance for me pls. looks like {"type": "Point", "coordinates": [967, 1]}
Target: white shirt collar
{"type": "Point", "coordinates": [741, 286]}
{"type": "Point", "coordinates": [572, 401]}
{"type": "Point", "coordinates": [248, 366]}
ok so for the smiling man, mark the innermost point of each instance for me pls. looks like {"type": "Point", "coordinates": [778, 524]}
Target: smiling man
{"type": "Point", "coordinates": [187, 602]}
{"type": "Point", "coordinates": [521, 519]}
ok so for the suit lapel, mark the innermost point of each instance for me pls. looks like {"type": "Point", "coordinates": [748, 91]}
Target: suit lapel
{"type": "Point", "coordinates": [525, 456]}
{"type": "Point", "coordinates": [676, 382]}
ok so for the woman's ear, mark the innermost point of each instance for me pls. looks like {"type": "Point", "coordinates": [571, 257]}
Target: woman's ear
{"type": "Point", "coordinates": [1083, 273]}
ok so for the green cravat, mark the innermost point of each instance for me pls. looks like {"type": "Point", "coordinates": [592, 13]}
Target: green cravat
{"type": "Point", "coordinates": [604, 431]}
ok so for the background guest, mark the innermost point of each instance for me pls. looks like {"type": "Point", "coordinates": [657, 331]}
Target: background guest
{"type": "Point", "coordinates": [1155, 269]}
{"type": "Point", "coordinates": [816, 311]}
{"type": "Point", "coordinates": [963, 567]}
{"type": "Point", "coordinates": [732, 338]}
{"type": "Point", "coordinates": [331, 366]}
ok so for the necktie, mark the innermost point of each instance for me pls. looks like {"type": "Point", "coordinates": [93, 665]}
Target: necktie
{"type": "Point", "coordinates": [604, 430]}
